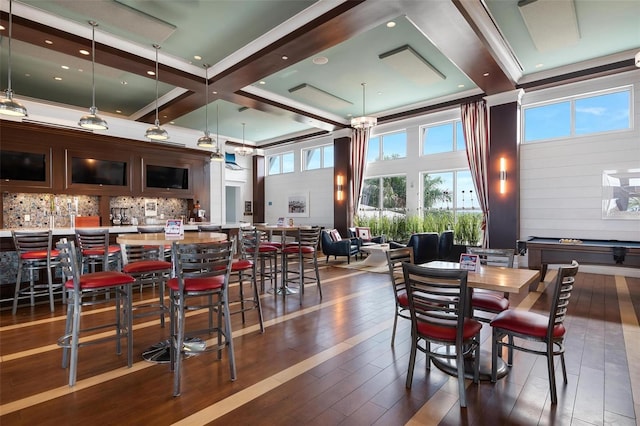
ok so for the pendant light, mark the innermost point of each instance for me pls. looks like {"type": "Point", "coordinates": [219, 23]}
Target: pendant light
{"type": "Point", "coordinates": [206, 141]}
{"type": "Point", "coordinates": [363, 122]}
{"type": "Point", "coordinates": [217, 154]}
{"type": "Point", "coordinates": [92, 120]}
{"type": "Point", "coordinates": [156, 132]}
{"type": "Point", "coordinates": [243, 150]}
{"type": "Point", "coordinates": [8, 106]}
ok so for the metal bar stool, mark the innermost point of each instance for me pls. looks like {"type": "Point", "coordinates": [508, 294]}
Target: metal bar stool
{"type": "Point", "coordinates": [95, 250]}
{"type": "Point", "coordinates": [305, 252]}
{"type": "Point", "coordinates": [34, 254]}
{"type": "Point", "coordinates": [244, 269]}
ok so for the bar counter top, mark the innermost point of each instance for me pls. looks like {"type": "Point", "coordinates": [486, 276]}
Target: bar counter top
{"type": "Point", "coordinates": [126, 229]}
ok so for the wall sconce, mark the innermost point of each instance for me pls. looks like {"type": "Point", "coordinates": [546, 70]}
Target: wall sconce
{"type": "Point", "coordinates": [340, 187]}
{"type": "Point", "coordinates": [503, 175]}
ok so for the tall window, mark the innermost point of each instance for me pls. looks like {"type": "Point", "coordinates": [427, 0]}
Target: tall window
{"type": "Point", "coordinates": [280, 163]}
{"type": "Point", "coordinates": [579, 115]}
{"type": "Point", "coordinates": [386, 196]}
{"type": "Point", "coordinates": [387, 147]}
{"type": "Point", "coordinates": [452, 191]}
{"type": "Point", "coordinates": [317, 158]}
{"type": "Point", "coordinates": [445, 137]}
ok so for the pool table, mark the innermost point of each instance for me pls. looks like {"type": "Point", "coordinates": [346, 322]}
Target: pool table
{"type": "Point", "coordinates": [543, 251]}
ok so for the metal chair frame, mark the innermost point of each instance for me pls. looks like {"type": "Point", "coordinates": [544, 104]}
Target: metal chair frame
{"type": "Point", "coordinates": [95, 250]}
{"type": "Point", "coordinates": [304, 251]}
{"type": "Point", "coordinates": [553, 337]}
{"type": "Point", "coordinates": [395, 259]}
{"type": "Point", "coordinates": [491, 257]}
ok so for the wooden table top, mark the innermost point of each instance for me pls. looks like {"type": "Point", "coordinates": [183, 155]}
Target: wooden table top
{"type": "Point", "coordinates": [162, 239]}
{"type": "Point", "coordinates": [510, 280]}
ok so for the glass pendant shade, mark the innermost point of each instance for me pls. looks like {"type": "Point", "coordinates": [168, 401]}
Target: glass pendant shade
{"type": "Point", "coordinates": [9, 106]}
{"type": "Point", "coordinates": [92, 121]}
{"type": "Point", "coordinates": [206, 141]}
{"type": "Point", "coordinates": [243, 150]}
{"type": "Point", "coordinates": [157, 133]}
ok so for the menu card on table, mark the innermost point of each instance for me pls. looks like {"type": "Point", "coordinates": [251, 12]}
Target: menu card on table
{"type": "Point", "coordinates": [469, 262]}
{"type": "Point", "coordinates": [174, 228]}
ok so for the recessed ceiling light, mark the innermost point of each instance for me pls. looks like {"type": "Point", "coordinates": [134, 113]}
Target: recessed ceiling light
{"type": "Point", "coordinates": [349, 115]}
{"type": "Point", "coordinates": [171, 122]}
{"type": "Point", "coordinates": [84, 52]}
{"type": "Point", "coordinates": [64, 67]}
{"type": "Point", "coordinates": [263, 82]}
{"type": "Point", "coordinates": [151, 72]}
{"type": "Point", "coordinates": [57, 78]}
{"type": "Point", "coordinates": [285, 57]}
{"type": "Point", "coordinates": [379, 93]}
{"type": "Point", "coordinates": [118, 111]}
{"type": "Point", "coordinates": [320, 60]}
{"type": "Point", "coordinates": [197, 57]}
{"type": "Point", "coordinates": [539, 65]}
{"type": "Point", "coordinates": [124, 83]}
{"type": "Point", "coordinates": [27, 75]}
{"type": "Point", "coordinates": [391, 24]}
{"type": "Point", "coordinates": [215, 92]}
{"type": "Point", "coordinates": [48, 42]}
{"type": "Point", "coordinates": [486, 74]}
{"type": "Point", "coordinates": [460, 86]}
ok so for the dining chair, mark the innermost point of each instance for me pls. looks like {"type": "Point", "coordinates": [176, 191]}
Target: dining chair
{"type": "Point", "coordinates": [34, 252]}
{"type": "Point", "coordinates": [95, 250]}
{"type": "Point", "coordinates": [269, 253]}
{"type": "Point", "coordinates": [146, 265]}
{"type": "Point", "coordinates": [201, 282]}
{"type": "Point", "coordinates": [304, 251]}
{"type": "Point", "coordinates": [81, 290]}
{"type": "Point", "coordinates": [525, 326]}
{"type": "Point", "coordinates": [443, 324]}
{"type": "Point", "coordinates": [395, 259]}
{"type": "Point", "coordinates": [244, 269]}
{"type": "Point", "coordinates": [488, 301]}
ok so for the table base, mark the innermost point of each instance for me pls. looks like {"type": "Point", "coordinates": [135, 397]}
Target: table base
{"type": "Point", "coordinates": [449, 365]}
{"type": "Point", "coordinates": [160, 352]}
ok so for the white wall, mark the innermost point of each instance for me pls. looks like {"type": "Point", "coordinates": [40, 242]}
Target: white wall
{"type": "Point", "coordinates": [561, 180]}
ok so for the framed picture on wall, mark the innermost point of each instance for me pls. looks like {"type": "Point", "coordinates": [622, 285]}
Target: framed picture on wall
{"type": "Point", "coordinates": [150, 207]}
{"type": "Point", "coordinates": [298, 205]}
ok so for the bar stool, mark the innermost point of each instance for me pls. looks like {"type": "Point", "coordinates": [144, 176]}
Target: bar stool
{"type": "Point", "coordinates": [145, 265]}
{"type": "Point", "coordinates": [244, 269]}
{"type": "Point", "coordinates": [156, 229]}
{"type": "Point", "coordinates": [95, 250]}
{"type": "Point", "coordinates": [305, 252]}
{"type": "Point", "coordinates": [34, 254]}
{"type": "Point", "coordinates": [91, 284]}
{"type": "Point", "coordinates": [268, 255]}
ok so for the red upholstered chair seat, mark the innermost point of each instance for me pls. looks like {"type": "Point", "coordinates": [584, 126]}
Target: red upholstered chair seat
{"type": "Point", "coordinates": [526, 323]}
{"type": "Point", "coordinates": [266, 248]}
{"type": "Point", "coordinates": [198, 284]}
{"type": "Point", "coordinates": [103, 279]}
{"type": "Point", "coordinates": [38, 254]}
{"type": "Point", "coordinates": [489, 301]}
{"type": "Point", "coordinates": [241, 265]}
{"type": "Point", "coordinates": [295, 248]}
{"type": "Point", "coordinates": [448, 333]}
{"type": "Point", "coordinates": [142, 266]}
{"type": "Point", "coordinates": [403, 299]}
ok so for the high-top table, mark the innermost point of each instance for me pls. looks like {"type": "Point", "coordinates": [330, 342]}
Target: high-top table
{"type": "Point", "coordinates": [160, 351]}
{"type": "Point", "coordinates": [510, 280]}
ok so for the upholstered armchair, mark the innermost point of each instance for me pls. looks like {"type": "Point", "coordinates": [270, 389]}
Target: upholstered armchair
{"type": "Point", "coordinates": [424, 244]}
{"type": "Point", "coordinates": [364, 234]}
{"type": "Point", "coordinates": [334, 245]}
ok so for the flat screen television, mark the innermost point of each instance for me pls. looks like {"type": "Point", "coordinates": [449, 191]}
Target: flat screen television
{"type": "Point", "coordinates": [98, 172]}
{"type": "Point", "coordinates": [23, 166]}
{"type": "Point", "coordinates": [167, 177]}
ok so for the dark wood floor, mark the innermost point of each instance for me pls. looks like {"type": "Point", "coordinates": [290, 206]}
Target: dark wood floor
{"type": "Point", "coordinates": [326, 362]}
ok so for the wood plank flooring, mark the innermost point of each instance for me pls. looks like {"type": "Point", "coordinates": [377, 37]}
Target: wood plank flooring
{"type": "Point", "coordinates": [327, 362]}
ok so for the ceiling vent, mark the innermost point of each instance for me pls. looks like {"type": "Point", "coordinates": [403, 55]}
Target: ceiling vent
{"type": "Point", "coordinates": [552, 24]}
{"type": "Point", "coordinates": [409, 63]}
{"type": "Point", "coordinates": [320, 97]}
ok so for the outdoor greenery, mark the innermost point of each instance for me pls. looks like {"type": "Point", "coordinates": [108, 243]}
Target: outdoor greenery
{"type": "Point", "coordinates": [466, 226]}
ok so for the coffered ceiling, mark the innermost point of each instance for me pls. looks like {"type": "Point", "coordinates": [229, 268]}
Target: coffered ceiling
{"type": "Point", "coordinates": [289, 68]}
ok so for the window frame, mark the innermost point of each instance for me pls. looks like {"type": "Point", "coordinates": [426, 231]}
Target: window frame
{"type": "Point", "coordinates": [380, 137]}
{"type": "Point", "coordinates": [455, 123]}
{"type": "Point", "coordinates": [322, 148]}
{"type": "Point", "coordinates": [280, 157]}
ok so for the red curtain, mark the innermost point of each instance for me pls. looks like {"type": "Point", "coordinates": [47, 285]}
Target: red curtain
{"type": "Point", "coordinates": [475, 125]}
{"type": "Point", "coordinates": [359, 144]}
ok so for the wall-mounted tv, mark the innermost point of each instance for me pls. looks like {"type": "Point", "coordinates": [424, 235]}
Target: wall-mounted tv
{"type": "Point", "coordinates": [98, 172]}
{"type": "Point", "coordinates": [167, 177]}
{"type": "Point", "coordinates": [23, 166]}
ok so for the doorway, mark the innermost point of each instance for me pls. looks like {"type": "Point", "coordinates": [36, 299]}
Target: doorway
{"type": "Point", "coordinates": [232, 197]}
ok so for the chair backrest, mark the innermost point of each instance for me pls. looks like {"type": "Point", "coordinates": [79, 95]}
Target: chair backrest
{"type": "Point", "coordinates": [425, 246]}
{"type": "Point", "coordinates": [437, 296]}
{"type": "Point", "coordinates": [493, 257]}
{"type": "Point", "coordinates": [445, 245]}
{"type": "Point", "coordinates": [136, 253]}
{"type": "Point", "coordinates": [150, 229]}
{"type": "Point", "coordinates": [94, 239]}
{"type": "Point", "coordinates": [395, 259]}
{"type": "Point", "coordinates": [209, 228]}
{"type": "Point", "coordinates": [561, 295]}
{"type": "Point", "coordinates": [26, 241]}
{"type": "Point", "coordinates": [203, 260]}
{"type": "Point", "coordinates": [249, 241]}
{"type": "Point", "coordinates": [68, 261]}
{"type": "Point", "coordinates": [309, 236]}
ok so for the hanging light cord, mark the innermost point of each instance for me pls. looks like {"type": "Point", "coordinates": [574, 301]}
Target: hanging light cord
{"type": "Point", "coordinates": [9, 51]}
{"type": "Point", "coordinates": [93, 66]}
{"type": "Point", "coordinates": [156, 46]}
{"type": "Point", "coordinates": [206, 100]}
{"type": "Point", "coordinates": [363, 98]}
